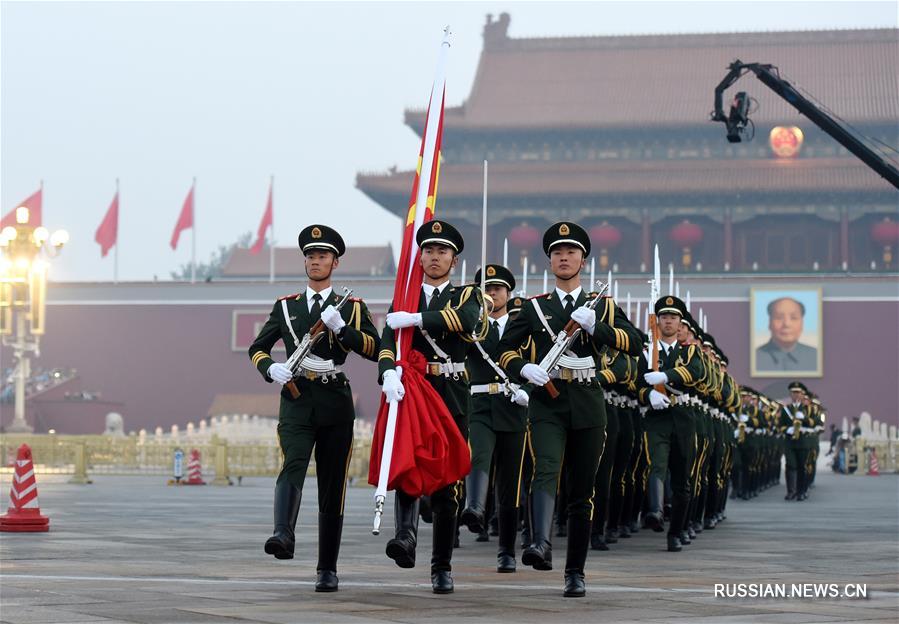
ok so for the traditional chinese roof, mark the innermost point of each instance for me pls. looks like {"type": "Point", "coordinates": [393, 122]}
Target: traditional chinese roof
{"type": "Point", "coordinates": [668, 80]}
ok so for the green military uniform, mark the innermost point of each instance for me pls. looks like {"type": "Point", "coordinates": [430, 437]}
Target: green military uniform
{"type": "Point", "coordinates": [444, 337]}
{"type": "Point", "coordinates": [793, 419]}
{"type": "Point", "coordinates": [670, 433]}
{"type": "Point", "coordinates": [498, 431]}
{"type": "Point", "coordinates": [320, 420]}
{"type": "Point", "coordinates": [573, 424]}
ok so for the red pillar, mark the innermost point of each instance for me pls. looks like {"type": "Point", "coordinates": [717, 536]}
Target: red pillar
{"type": "Point", "coordinates": [646, 242]}
{"type": "Point", "coordinates": [728, 241]}
{"type": "Point", "coordinates": [844, 239]}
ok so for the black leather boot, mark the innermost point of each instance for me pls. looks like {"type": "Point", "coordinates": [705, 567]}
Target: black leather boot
{"type": "Point", "coordinates": [655, 492]}
{"type": "Point", "coordinates": [508, 528]}
{"type": "Point", "coordinates": [791, 485]}
{"type": "Point", "coordinates": [287, 507]}
{"type": "Point", "coordinates": [442, 553]}
{"type": "Point", "coordinates": [330, 528]}
{"type": "Point", "coordinates": [476, 485]}
{"type": "Point", "coordinates": [673, 543]}
{"type": "Point", "coordinates": [598, 542]}
{"type": "Point", "coordinates": [539, 553]}
{"type": "Point", "coordinates": [402, 547]}
{"type": "Point", "coordinates": [576, 556]}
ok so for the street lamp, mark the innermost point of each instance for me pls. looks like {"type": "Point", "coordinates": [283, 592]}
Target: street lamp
{"type": "Point", "coordinates": [25, 250]}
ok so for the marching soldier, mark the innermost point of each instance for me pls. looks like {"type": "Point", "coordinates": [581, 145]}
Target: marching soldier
{"type": "Point", "coordinates": [572, 425]}
{"type": "Point", "coordinates": [444, 329]}
{"type": "Point", "coordinates": [792, 420]}
{"type": "Point", "coordinates": [498, 424]}
{"type": "Point", "coordinates": [670, 427]}
{"type": "Point", "coordinates": [320, 419]}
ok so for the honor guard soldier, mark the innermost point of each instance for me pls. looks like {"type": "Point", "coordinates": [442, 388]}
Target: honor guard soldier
{"type": "Point", "coordinates": [498, 423]}
{"type": "Point", "coordinates": [669, 427]}
{"type": "Point", "coordinates": [316, 413]}
{"type": "Point", "coordinates": [795, 417]}
{"type": "Point", "coordinates": [571, 425]}
{"type": "Point", "coordinates": [445, 326]}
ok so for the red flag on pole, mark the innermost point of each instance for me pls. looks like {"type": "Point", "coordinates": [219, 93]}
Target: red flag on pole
{"type": "Point", "coordinates": [108, 231]}
{"type": "Point", "coordinates": [263, 225]}
{"type": "Point", "coordinates": [34, 203]}
{"type": "Point", "coordinates": [420, 441]}
{"type": "Point", "coordinates": [185, 219]}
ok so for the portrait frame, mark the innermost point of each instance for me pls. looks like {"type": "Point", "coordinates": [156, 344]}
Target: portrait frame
{"type": "Point", "coordinates": [766, 360]}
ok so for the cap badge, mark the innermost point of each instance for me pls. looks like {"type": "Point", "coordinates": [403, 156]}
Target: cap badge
{"type": "Point", "coordinates": [564, 230]}
{"type": "Point", "coordinates": [316, 233]}
{"type": "Point", "coordinates": [437, 228]}
{"type": "Point", "coordinates": [669, 301]}
{"type": "Point", "coordinates": [491, 271]}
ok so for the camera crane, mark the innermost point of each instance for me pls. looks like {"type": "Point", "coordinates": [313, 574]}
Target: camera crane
{"type": "Point", "coordinates": [737, 120]}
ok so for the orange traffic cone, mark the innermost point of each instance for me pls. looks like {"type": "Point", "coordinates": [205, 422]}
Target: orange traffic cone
{"type": "Point", "coordinates": [24, 513]}
{"type": "Point", "coordinates": [873, 466]}
{"type": "Point", "coordinates": [194, 472]}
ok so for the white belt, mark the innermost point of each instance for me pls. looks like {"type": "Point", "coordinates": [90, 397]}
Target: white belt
{"type": "Point", "coordinates": [573, 374]}
{"type": "Point", "coordinates": [446, 369]}
{"type": "Point", "coordinates": [312, 375]}
{"type": "Point", "coordinates": [683, 399]}
{"type": "Point", "coordinates": [807, 430]}
{"type": "Point", "coordinates": [491, 388]}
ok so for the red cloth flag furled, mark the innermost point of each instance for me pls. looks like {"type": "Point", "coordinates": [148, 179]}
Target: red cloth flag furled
{"type": "Point", "coordinates": [34, 203]}
{"type": "Point", "coordinates": [265, 224]}
{"type": "Point", "coordinates": [422, 444]}
{"type": "Point", "coordinates": [185, 219]}
{"type": "Point", "coordinates": [108, 232]}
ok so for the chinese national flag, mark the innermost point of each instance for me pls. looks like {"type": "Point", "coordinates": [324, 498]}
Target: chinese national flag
{"type": "Point", "coordinates": [263, 225]}
{"type": "Point", "coordinates": [185, 220]}
{"type": "Point", "coordinates": [108, 231]}
{"type": "Point", "coordinates": [34, 204]}
{"type": "Point", "coordinates": [429, 452]}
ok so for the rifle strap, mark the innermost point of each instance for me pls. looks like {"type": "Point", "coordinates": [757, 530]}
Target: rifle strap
{"type": "Point", "coordinates": [549, 330]}
{"type": "Point", "coordinates": [296, 341]}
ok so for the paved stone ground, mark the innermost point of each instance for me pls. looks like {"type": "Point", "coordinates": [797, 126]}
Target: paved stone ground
{"type": "Point", "coordinates": [130, 549]}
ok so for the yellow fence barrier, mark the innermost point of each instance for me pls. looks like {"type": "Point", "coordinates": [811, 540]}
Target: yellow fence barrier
{"type": "Point", "coordinates": [221, 460]}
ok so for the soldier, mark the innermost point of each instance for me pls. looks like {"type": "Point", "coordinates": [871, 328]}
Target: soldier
{"type": "Point", "coordinates": [792, 419]}
{"type": "Point", "coordinates": [444, 329]}
{"type": "Point", "coordinates": [320, 420]}
{"type": "Point", "coordinates": [572, 424]}
{"type": "Point", "coordinates": [498, 425]}
{"type": "Point", "coordinates": [670, 427]}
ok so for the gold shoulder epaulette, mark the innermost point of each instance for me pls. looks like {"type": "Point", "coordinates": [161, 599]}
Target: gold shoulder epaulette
{"type": "Point", "coordinates": [293, 296]}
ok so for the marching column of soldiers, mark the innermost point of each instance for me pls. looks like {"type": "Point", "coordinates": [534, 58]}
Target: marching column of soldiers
{"type": "Point", "coordinates": [593, 439]}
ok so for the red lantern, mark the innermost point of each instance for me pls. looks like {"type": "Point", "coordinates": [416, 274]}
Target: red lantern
{"type": "Point", "coordinates": [785, 142]}
{"type": "Point", "coordinates": [886, 233]}
{"type": "Point", "coordinates": [606, 236]}
{"type": "Point", "coordinates": [686, 235]}
{"type": "Point", "coordinates": [524, 236]}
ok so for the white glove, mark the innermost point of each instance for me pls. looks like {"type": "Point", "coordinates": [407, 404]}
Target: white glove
{"type": "Point", "coordinates": [658, 400]}
{"type": "Point", "coordinates": [534, 374]}
{"type": "Point", "coordinates": [392, 387]}
{"type": "Point", "coordinates": [399, 320]}
{"type": "Point", "coordinates": [744, 418]}
{"type": "Point", "coordinates": [520, 397]}
{"type": "Point", "coordinates": [332, 319]}
{"type": "Point", "coordinates": [736, 433]}
{"type": "Point", "coordinates": [280, 373]}
{"type": "Point", "coordinates": [790, 430]}
{"type": "Point", "coordinates": [586, 318]}
{"type": "Point", "coordinates": [799, 416]}
{"type": "Point", "coordinates": [654, 378]}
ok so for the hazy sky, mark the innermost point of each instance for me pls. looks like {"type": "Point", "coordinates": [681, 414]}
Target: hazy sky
{"type": "Point", "coordinates": [155, 93]}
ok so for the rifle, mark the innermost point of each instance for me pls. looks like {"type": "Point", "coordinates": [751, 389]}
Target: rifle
{"type": "Point", "coordinates": [653, 323]}
{"type": "Point", "coordinates": [564, 340]}
{"type": "Point", "coordinates": [312, 337]}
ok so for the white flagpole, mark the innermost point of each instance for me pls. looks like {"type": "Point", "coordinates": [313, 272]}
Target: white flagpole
{"type": "Point", "coordinates": [615, 296]}
{"type": "Point", "coordinates": [592, 273]}
{"type": "Point", "coordinates": [484, 236]}
{"type": "Point", "coordinates": [421, 200]}
{"type": "Point", "coordinates": [670, 277]}
{"type": "Point", "coordinates": [545, 281]}
{"type": "Point", "coordinates": [628, 307]}
{"type": "Point", "coordinates": [506, 253]}
{"type": "Point", "coordinates": [677, 289]}
{"type": "Point", "coordinates": [193, 233]}
{"type": "Point", "coordinates": [524, 275]}
{"type": "Point", "coordinates": [115, 251]}
{"type": "Point", "coordinates": [271, 247]}
{"type": "Point", "coordinates": [464, 267]}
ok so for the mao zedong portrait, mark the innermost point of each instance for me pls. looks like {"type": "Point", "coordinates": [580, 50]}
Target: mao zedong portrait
{"type": "Point", "coordinates": [783, 351]}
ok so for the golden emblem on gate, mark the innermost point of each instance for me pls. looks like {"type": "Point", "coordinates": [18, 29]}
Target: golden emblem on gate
{"type": "Point", "coordinates": [316, 233]}
{"type": "Point", "coordinates": [491, 271]}
{"type": "Point", "coordinates": [437, 228]}
{"type": "Point", "coordinates": [669, 301]}
{"type": "Point", "coordinates": [563, 229]}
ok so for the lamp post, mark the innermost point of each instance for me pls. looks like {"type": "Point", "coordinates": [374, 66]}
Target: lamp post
{"type": "Point", "coordinates": [23, 289]}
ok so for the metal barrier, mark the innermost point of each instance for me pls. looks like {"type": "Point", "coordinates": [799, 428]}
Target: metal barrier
{"type": "Point", "coordinates": [81, 456]}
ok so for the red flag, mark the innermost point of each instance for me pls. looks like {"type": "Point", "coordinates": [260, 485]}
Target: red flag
{"type": "Point", "coordinates": [185, 220]}
{"type": "Point", "coordinates": [263, 225]}
{"type": "Point", "coordinates": [35, 206]}
{"type": "Point", "coordinates": [108, 231]}
{"type": "Point", "coordinates": [429, 452]}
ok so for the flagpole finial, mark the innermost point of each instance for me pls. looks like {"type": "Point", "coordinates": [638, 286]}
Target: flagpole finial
{"type": "Point", "coordinates": [447, 33]}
